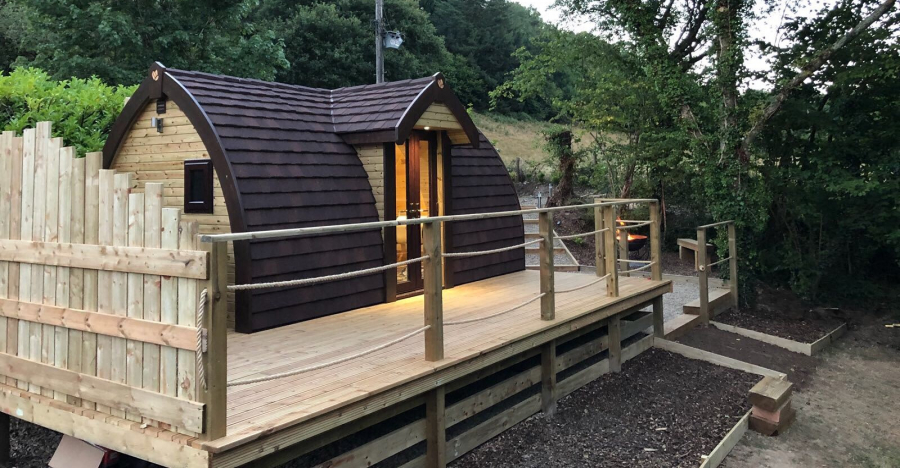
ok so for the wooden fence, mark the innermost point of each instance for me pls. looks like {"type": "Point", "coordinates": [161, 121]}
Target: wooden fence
{"type": "Point", "coordinates": [99, 288]}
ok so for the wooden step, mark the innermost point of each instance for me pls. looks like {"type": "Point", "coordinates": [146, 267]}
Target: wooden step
{"type": "Point", "coordinates": [719, 301]}
{"type": "Point", "coordinates": [560, 268]}
{"type": "Point", "coordinates": [680, 325]}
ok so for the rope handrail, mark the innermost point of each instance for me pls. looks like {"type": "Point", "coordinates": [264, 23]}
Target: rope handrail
{"type": "Point", "coordinates": [201, 312]}
{"type": "Point", "coordinates": [583, 234]}
{"type": "Point", "coordinates": [622, 260]}
{"type": "Point", "coordinates": [638, 269]}
{"type": "Point", "coordinates": [462, 322]}
{"type": "Point", "coordinates": [632, 226]}
{"type": "Point", "coordinates": [322, 279]}
{"type": "Point", "coordinates": [485, 252]}
{"type": "Point", "coordinates": [302, 370]}
{"type": "Point", "coordinates": [720, 261]}
{"type": "Point", "coordinates": [352, 227]}
{"type": "Point", "coordinates": [576, 288]}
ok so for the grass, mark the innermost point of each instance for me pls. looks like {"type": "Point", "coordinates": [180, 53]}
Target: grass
{"type": "Point", "coordinates": [518, 138]}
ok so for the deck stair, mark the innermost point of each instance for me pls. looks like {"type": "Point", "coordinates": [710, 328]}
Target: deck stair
{"type": "Point", "coordinates": [719, 301]}
{"type": "Point", "coordinates": [563, 260]}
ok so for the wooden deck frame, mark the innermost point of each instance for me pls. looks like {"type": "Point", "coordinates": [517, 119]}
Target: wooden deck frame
{"type": "Point", "coordinates": [705, 310]}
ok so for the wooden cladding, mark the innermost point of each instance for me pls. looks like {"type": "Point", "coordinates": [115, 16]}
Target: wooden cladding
{"type": "Point", "coordinates": [99, 287]}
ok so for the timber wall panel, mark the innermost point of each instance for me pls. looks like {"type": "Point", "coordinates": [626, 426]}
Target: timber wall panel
{"type": "Point", "coordinates": [49, 195]}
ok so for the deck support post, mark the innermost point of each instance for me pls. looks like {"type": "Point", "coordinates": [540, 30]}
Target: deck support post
{"type": "Point", "coordinates": [435, 428]}
{"type": "Point", "coordinates": [659, 327]}
{"type": "Point", "coordinates": [432, 270]}
{"type": "Point", "coordinates": [599, 257]}
{"type": "Point", "coordinates": [656, 266]}
{"type": "Point", "coordinates": [614, 333]}
{"type": "Point", "coordinates": [216, 357]}
{"type": "Point", "coordinates": [548, 301]}
{"type": "Point", "coordinates": [609, 248]}
{"type": "Point", "coordinates": [732, 264]}
{"type": "Point", "coordinates": [548, 378]}
{"type": "Point", "coordinates": [702, 261]}
{"type": "Point", "coordinates": [4, 440]}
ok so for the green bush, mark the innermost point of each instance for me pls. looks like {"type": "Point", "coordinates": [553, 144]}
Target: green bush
{"type": "Point", "coordinates": [82, 111]}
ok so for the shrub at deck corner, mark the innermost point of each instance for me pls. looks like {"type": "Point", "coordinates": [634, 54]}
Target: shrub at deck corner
{"type": "Point", "coordinates": [82, 110]}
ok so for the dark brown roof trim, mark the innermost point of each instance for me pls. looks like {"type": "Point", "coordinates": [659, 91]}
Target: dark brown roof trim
{"type": "Point", "coordinates": [160, 84]}
{"type": "Point", "coordinates": [438, 91]}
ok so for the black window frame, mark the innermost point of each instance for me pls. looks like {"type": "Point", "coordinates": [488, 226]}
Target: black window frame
{"type": "Point", "coordinates": [204, 206]}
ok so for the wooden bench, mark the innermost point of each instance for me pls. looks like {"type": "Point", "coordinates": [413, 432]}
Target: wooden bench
{"type": "Point", "coordinates": [690, 244]}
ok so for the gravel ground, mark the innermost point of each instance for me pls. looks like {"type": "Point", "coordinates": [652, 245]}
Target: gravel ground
{"type": "Point", "coordinates": [662, 410]}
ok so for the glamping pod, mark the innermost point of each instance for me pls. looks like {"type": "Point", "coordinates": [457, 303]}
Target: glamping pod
{"type": "Point", "coordinates": [242, 155]}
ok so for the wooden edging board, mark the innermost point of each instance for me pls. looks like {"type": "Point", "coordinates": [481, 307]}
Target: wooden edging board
{"type": "Point", "coordinates": [808, 349]}
{"type": "Point", "coordinates": [728, 443]}
{"type": "Point", "coordinates": [695, 353]}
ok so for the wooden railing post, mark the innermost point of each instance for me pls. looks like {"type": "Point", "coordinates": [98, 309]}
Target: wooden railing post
{"type": "Point", "coordinates": [655, 241]}
{"type": "Point", "coordinates": [548, 301]}
{"type": "Point", "coordinates": [704, 275]}
{"type": "Point", "coordinates": [733, 273]}
{"type": "Point", "coordinates": [432, 272]}
{"type": "Point", "coordinates": [215, 321]}
{"type": "Point", "coordinates": [599, 257]}
{"type": "Point", "coordinates": [623, 250]}
{"type": "Point", "coordinates": [609, 247]}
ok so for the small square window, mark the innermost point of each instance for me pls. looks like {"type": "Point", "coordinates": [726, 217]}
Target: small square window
{"type": "Point", "coordinates": [198, 186]}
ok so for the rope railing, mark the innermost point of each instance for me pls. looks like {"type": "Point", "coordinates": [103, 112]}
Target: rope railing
{"type": "Point", "coordinates": [576, 288]}
{"type": "Point", "coordinates": [583, 234]}
{"type": "Point", "coordinates": [632, 226]}
{"type": "Point", "coordinates": [479, 319]}
{"type": "Point", "coordinates": [485, 252]}
{"type": "Point", "coordinates": [322, 365]}
{"type": "Point", "coordinates": [638, 269]}
{"type": "Point", "coordinates": [719, 262]}
{"type": "Point", "coordinates": [322, 279]}
{"type": "Point", "coordinates": [201, 312]}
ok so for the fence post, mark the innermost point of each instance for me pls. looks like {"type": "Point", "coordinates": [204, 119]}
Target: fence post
{"type": "Point", "coordinates": [704, 275]}
{"type": "Point", "coordinates": [655, 241]}
{"type": "Point", "coordinates": [733, 274]}
{"type": "Point", "coordinates": [623, 249]}
{"type": "Point", "coordinates": [609, 247]}
{"type": "Point", "coordinates": [432, 272]}
{"type": "Point", "coordinates": [548, 301]}
{"type": "Point", "coordinates": [215, 361]}
{"type": "Point", "coordinates": [599, 258]}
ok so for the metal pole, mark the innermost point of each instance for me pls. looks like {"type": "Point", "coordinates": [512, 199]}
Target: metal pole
{"type": "Point", "coordinates": [379, 52]}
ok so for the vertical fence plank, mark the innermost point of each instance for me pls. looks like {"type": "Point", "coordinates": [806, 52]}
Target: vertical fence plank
{"type": "Point", "coordinates": [42, 147]}
{"type": "Point", "coordinates": [76, 275]}
{"type": "Point", "coordinates": [548, 301]}
{"type": "Point", "coordinates": [118, 349]}
{"type": "Point", "coordinates": [153, 201]}
{"type": "Point", "coordinates": [732, 264]}
{"type": "Point", "coordinates": [134, 360]}
{"type": "Point", "coordinates": [15, 232]}
{"type": "Point", "coordinates": [6, 156]}
{"type": "Point", "coordinates": [93, 163]}
{"type": "Point", "coordinates": [64, 235]}
{"type": "Point", "coordinates": [187, 315]}
{"type": "Point", "coordinates": [655, 247]}
{"type": "Point", "coordinates": [27, 222]}
{"type": "Point", "coordinates": [106, 193]}
{"type": "Point", "coordinates": [704, 275]}
{"type": "Point", "coordinates": [434, 311]}
{"type": "Point", "coordinates": [609, 247]}
{"type": "Point", "coordinates": [51, 234]}
{"type": "Point", "coordinates": [168, 372]}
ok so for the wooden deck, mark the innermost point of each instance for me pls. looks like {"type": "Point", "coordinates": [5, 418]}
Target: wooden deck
{"type": "Point", "coordinates": [313, 402]}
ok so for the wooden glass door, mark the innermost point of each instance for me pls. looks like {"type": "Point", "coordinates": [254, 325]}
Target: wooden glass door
{"type": "Point", "coordinates": [415, 198]}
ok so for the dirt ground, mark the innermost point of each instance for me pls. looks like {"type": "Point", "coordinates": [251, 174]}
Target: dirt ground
{"type": "Point", "coordinates": [662, 410]}
{"type": "Point", "coordinates": [848, 413]}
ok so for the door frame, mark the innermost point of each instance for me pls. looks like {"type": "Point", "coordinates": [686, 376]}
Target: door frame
{"type": "Point", "coordinates": [392, 289]}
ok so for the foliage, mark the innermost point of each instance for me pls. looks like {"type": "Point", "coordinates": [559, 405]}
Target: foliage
{"type": "Point", "coordinates": [82, 110]}
{"type": "Point", "coordinates": [118, 41]}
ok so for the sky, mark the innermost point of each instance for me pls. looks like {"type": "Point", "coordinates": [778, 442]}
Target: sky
{"type": "Point", "coordinates": [767, 27]}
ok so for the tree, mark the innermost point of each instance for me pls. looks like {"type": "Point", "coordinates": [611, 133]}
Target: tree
{"type": "Point", "coordinates": [118, 41]}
